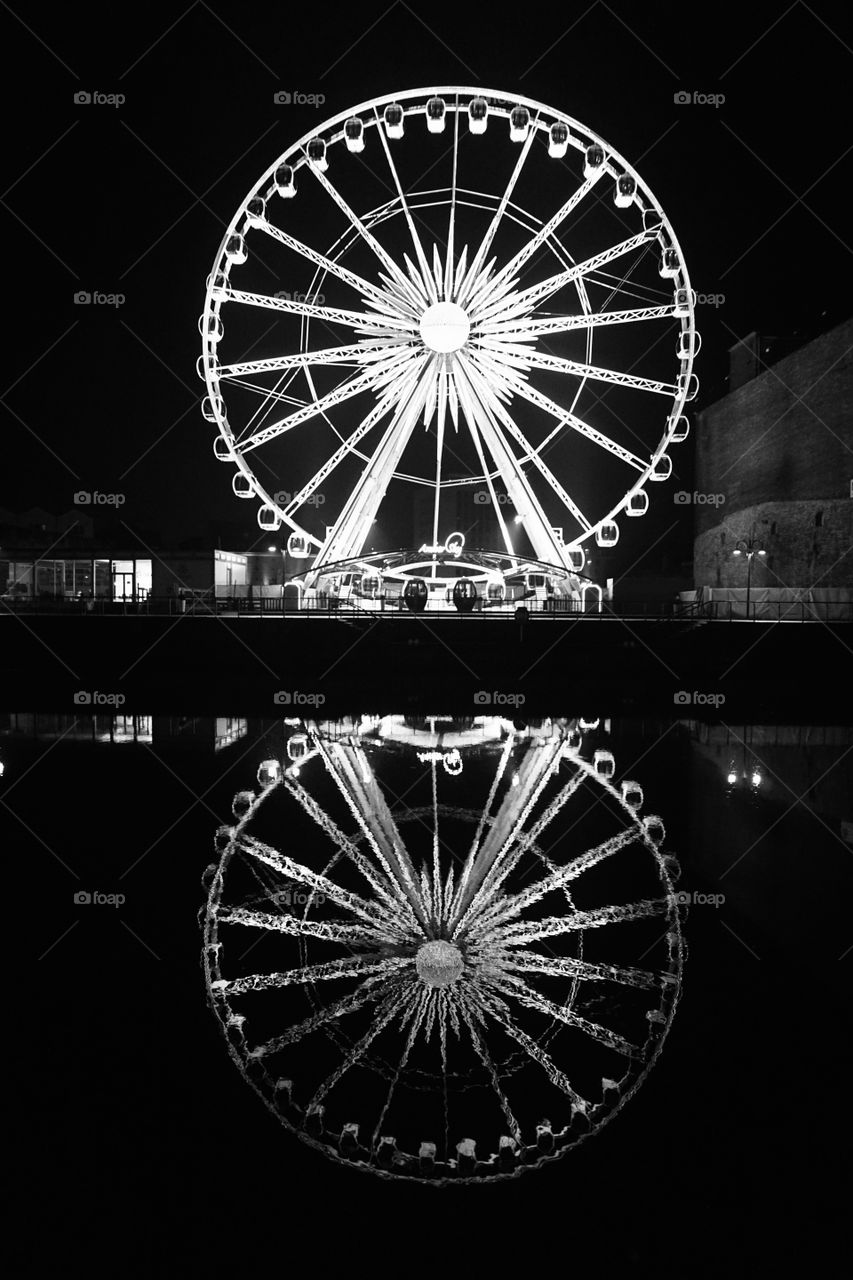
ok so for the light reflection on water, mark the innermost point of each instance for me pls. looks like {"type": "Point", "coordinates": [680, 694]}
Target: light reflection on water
{"type": "Point", "coordinates": [450, 947]}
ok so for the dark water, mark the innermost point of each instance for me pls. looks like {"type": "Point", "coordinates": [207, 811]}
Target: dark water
{"type": "Point", "coordinates": [147, 1088]}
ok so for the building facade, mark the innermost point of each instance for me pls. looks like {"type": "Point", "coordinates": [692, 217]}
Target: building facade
{"type": "Point", "coordinates": [774, 469]}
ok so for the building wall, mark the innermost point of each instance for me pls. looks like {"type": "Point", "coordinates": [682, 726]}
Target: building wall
{"type": "Point", "coordinates": [229, 569]}
{"type": "Point", "coordinates": [778, 454]}
{"type": "Point", "coordinates": [174, 573]}
{"type": "Point", "coordinates": [800, 551]}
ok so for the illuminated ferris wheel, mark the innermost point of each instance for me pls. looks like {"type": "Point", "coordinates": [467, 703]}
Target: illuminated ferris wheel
{"type": "Point", "coordinates": [455, 293]}
{"type": "Point", "coordinates": [425, 989]}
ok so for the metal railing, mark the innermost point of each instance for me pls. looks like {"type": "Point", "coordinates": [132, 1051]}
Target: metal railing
{"type": "Point", "coordinates": [202, 604]}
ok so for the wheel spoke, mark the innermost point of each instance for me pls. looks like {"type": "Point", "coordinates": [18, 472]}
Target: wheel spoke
{"type": "Point", "coordinates": [538, 327]}
{"type": "Point", "coordinates": [534, 774]}
{"type": "Point", "coordinates": [355, 386]}
{"type": "Point", "coordinates": [362, 320]}
{"type": "Point", "coordinates": [529, 451]}
{"type": "Point", "coordinates": [419, 301]}
{"type": "Point", "coordinates": [358, 966]}
{"type": "Point", "coordinates": [517, 989]}
{"type": "Point", "coordinates": [488, 238]}
{"type": "Point", "coordinates": [501, 1013]}
{"type": "Point", "coordinates": [511, 855]}
{"type": "Point", "coordinates": [326, 264]}
{"type": "Point", "coordinates": [370, 990]}
{"type": "Point", "coordinates": [357, 353]}
{"type": "Point", "coordinates": [577, 424]}
{"type": "Point", "coordinates": [385, 1014]}
{"type": "Point", "coordinates": [513, 906]}
{"type": "Point", "coordinates": [515, 303]}
{"type": "Point", "coordinates": [369, 912]}
{"type": "Point", "coordinates": [368, 806]}
{"type": "Point", "coordinates": [524, 254]}
{"type": "Point", "coordinates": [568, 967]}
{"type": "Point", "coordinates": [470, 1015]}
{"type": "Point", "coordinates": [385, 886]}
{"type": "Point", "coordinates": [521, 933]}
{"type": "Point", "coordinates": [537, 526]}
{"type": "Point", "coordinates": [416, 241]}
{"type": "Point", "coordinates": [541, 360]}
{"type": "Point", "coordinates": [332, 931]}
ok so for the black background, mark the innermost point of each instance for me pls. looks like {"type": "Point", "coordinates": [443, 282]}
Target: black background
{"type": "Point", "coordinates": [134, 199]}
{"type": "Point", "coordinates": [146, 1154]}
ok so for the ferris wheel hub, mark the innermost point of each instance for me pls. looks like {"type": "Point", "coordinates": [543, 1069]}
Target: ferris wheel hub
{"type": "Point", "coordinates": [439, 963]}
{"type": "Point", "coordinates": [445, 327]}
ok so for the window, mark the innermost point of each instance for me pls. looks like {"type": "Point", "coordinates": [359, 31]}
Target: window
{"type": "Point", "coordinates": [773, 527]}
{"type": "Point", "coordinates": [818, 520]}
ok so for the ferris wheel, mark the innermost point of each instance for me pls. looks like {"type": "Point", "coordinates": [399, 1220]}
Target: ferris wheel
{"type": "Point", "coordinates": [435, 991]}
{"type": "Point", "coordinates": [452, 301]}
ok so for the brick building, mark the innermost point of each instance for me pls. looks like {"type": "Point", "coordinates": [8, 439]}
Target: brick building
{"type": "Point", "coordinates": [777, 454]}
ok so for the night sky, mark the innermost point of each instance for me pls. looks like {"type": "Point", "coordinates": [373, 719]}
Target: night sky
{"type": "Point", "coordinates": [133, 199]}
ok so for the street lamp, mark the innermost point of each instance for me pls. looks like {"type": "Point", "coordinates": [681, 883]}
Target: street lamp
{"type": "Point", "coordinates": [749, 547]}
{"type": "Point", "coordinates": [747, 770]}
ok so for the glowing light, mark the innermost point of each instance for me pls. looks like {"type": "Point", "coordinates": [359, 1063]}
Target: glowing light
{"type": "Point", "coordinates": [731, 779]}
{"type": "Point", "coordinates": [457, 340]}
{"type": "Point", "coordinates": [756, 779]}
{"type": "Point", "coordinates": [445, 327]}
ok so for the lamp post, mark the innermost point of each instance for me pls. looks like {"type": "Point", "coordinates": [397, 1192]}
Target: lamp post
{"type": "Point", "coordinates": [749, 547]}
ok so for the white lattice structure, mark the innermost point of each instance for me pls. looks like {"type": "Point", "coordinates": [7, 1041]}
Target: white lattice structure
{"type": "Point", "coordinates": [433, 990]}
{"type": "Point", "coordinates": [456, 308]}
